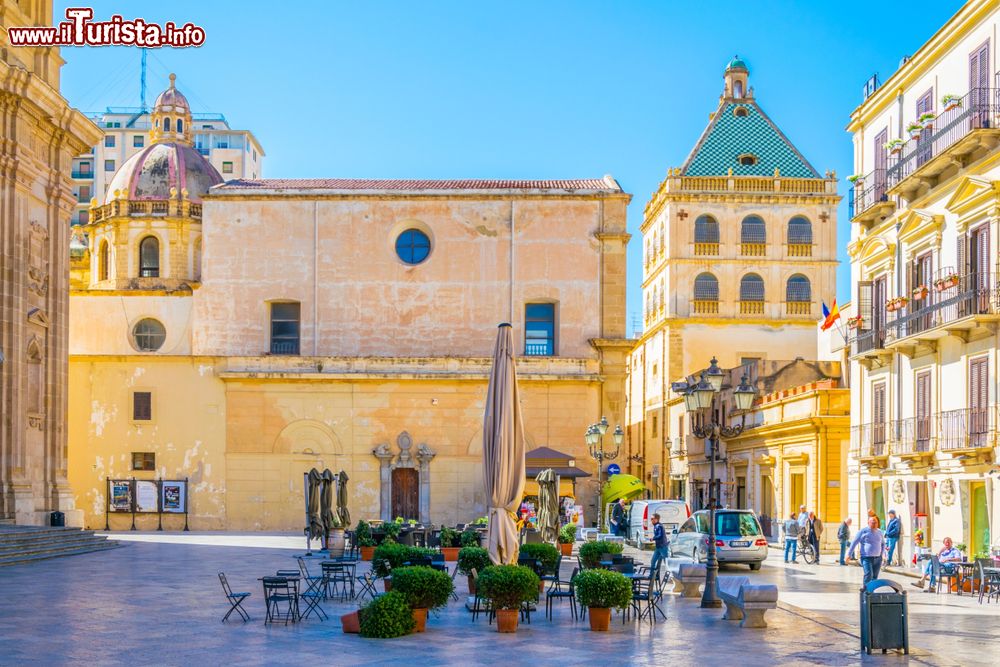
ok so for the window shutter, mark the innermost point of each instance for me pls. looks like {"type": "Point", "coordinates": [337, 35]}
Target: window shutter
{"type": "Point", "coordinates": [978, 389]}
{"type": "Point", "coordinates": [865, 304]}
{"type": "Point", "coordinates": [962, 254]}
{"type": "Point", "coordinates": [923, 395]}
{"type": "Point", "coordinates": [982, 257]}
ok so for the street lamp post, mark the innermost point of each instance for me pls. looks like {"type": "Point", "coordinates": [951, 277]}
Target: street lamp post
{"type": "Point", "coordinates": [594, 438]}
{"type": "Point", "coordinates": [698, 398]}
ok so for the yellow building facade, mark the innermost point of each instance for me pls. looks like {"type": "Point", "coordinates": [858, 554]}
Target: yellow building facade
{"type": "Point", "coordinates": [39, 135]}
{"type": "Point", "coordinates": [739, 250]}
{"type": "Point", "coordinates": [347, 324]}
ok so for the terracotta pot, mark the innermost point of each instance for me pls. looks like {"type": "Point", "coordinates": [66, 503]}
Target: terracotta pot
{"type": "Point", "coordinates": [600, 618]}
{"type": "Point", "coordinates": [351, 622]}
{"type": "Point", "coordinates": [420, 618]}
{"type": "Point", "coordinates": [566, 549]}
{"type": "Point", "coordinates": [387, 584]}
{"type": "Point", "coordinates": [952, 105]}
{"type": "Point", "coordinates": [450, 553]}
{"type": "Point", "coordinates": [507, 620]}
{"type": "Point", "coordinates": [472, 585]}
{"type": "Point", "coordinates": [367, 553]}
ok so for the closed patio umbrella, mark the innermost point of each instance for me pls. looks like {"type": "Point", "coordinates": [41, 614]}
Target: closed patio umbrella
{"type": "Point", "coordinates": [342, 512]}
{"type": "Point", "coordinates": [548, 505]}
{"type": "Point", "coordinates": [326, 503]}
{"type": "Point", "coordinates": [315, 517]}
{"type": "Point", "coordinates": [503, 451]}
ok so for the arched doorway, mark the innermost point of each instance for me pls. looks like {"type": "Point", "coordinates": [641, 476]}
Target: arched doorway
{"type": "Point", "coordinates": [405, 493]}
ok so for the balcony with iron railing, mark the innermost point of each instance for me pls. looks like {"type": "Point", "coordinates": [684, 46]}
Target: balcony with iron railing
{"type": "Point", "coordinates": [868, 201]}
{"type": "Point", "coordinates": [957, 133]}
{"type": "Point", "coordinates": [965, 430]}
{"type": "Point", "coordinates": [538, 349]}
{"type": "Point", "coordinates": [913, 436]}
{"type": "Point", "coordinates": [968, 429]}
{"type": "Point", "coordinates": [83, 175]}
{"type": "Point", "coordinates": [870, 441]}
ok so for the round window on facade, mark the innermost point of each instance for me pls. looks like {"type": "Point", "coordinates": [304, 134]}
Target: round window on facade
{"type": "Point", "coordinates": [413, 246]}
{"type": "Point", "coordinates": [148, 335]}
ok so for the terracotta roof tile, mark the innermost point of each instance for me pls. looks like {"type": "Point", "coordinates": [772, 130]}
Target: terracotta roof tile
{"type": "Point", "coordinates": [606, 184]}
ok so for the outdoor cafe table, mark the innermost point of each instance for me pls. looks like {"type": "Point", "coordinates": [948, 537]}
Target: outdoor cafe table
{"type": "Point", "coordinates": [348, 566]}
{"type": "Point", "coordinates": [293, 580]}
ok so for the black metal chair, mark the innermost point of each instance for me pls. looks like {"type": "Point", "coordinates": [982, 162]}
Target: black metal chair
{"type": "Point", "coordinates": [235, 600]}
{"type": "Point", "coordinates": [337, 580]}
{"type": "Point", "coordinates": [278, 590]}
{"type": "Point", "coordinates": [562, 589]}
{"type": "Point", "coordinates": [552, 576]}
{"type": "Point", "coordinates": [644, 598]}
{"type": "Point", "coordinates": [313, 582]}
{"type": "Point", "coordinates": [368, 581]}
{"type": "Point", "coordinates": [479, 604]}
{"type": "Point", "coordinates": [989, 585]}
{"type": "Point", "coordinates": [941, 575]}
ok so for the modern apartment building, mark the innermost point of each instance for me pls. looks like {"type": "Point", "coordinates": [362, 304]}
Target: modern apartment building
{"type": "Point", "coordinates": [924, 213]}
{"type": "Point", "coordinates": [233, 153]}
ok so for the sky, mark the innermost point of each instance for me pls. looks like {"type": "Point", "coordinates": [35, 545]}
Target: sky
{"type": "Point", "coordinates": [512, 89]}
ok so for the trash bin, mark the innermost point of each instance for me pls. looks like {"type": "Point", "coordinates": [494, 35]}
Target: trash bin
{"type": "Point", "coordinates": [884, 617]}
{"type": "Point", "coordinates": [57, 519]}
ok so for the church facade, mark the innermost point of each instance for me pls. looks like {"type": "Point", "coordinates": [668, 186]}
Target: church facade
{"type": "Point", "coordinates": [239, 334]}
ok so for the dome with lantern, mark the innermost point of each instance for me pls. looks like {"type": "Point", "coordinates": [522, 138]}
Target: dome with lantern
{"type": "Point", "coordinates": [170, 167]}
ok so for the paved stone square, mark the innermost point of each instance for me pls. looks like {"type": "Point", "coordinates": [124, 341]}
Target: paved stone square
{"type": "Point", "coordinates": [157, 601]}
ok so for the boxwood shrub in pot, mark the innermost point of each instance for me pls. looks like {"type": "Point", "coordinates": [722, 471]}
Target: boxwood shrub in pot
{"type": "Point", "coordinates": [386, 616]}
{"type": "Point", "coordinates": [547, 554]}
{"type": "Point", "coordinates": [470, 537]}
{"type": "Point", "coordinates": [449, 542]}
{"type": "Point", "coordinates": [363, 539]}
{"type": "Point", "coordinates": [591, 552]}
{"type": "Point", "coordinates": [396, 555]}
{"type": "Point", "coordinates": [506, 587]}
{"type": "Point", "coordinates": [424, 588]}
{"type": "Point", "coordinates": [600, 590]}
{"type": "Point", "coordinates": [473, 558]}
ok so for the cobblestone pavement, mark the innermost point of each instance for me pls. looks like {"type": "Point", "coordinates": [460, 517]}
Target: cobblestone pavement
{"type": "Point", "coordinates": [157, 601]}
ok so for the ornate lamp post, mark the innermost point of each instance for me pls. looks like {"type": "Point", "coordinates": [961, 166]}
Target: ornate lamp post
{"type": "Point", "coordinates": [698, 398]}
{"type": "Point", "coordinates": [594, 438]}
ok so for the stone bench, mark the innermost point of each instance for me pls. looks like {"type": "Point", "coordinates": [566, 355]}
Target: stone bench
{"type": "Point", "coordinates": [687, 576]}
{"type": "Point", "coordinates": [746, 602]}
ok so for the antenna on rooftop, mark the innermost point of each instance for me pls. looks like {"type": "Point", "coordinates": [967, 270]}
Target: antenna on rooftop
{"type": "Point", "coordinates": [142, 84]}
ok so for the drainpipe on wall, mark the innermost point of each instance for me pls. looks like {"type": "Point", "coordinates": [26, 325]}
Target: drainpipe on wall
{"type": "Point", "coordinates": [315, 278]}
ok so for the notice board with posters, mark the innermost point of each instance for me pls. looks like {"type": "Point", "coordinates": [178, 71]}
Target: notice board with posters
{"type": "Point", "coordinates": [173, 494]}
{"type": "Point", "coordinates": [147, 496]}
{"type": "Point", "coordinates": [119, 495]}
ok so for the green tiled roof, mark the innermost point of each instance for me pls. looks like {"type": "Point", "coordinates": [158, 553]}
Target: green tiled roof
{"type": "Point", "coordinates": [728, 136]}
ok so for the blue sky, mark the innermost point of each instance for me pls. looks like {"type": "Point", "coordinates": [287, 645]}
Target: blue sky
{"type": "Point", "coordinates": [512, 89]}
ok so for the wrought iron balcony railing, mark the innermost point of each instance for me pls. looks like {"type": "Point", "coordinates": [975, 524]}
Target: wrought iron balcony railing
{"type": "Point", "coordinates": [960, 298]}
{"type": "Point", "coordinates": [866, 194]}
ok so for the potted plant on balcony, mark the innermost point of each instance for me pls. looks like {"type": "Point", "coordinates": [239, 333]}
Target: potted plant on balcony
{"type": "Point", "coordinates": [600, 590]}
{"type": "Point", "coordinates": [424, 588]}
{"type": "Point", "coordinates": [473, 558]}
{"type": "Point", "coordinates": [854, 322]}
{"type": "Point", "coordinates": [920, 293]}
{"type": "Point", "coordinates": [363, 539]}
{"type": "Point", "coordinates": [449, 543]}
{"type": "Point", "coordinates": [914, 130]}
{"type": "Point", "coordinates": [386, 616]}
{"type": "Point", "coordinates": [507, 587]}
{"type": "Point", "coordinates": [895, 146]}
{"type": "Point", "coordinates": [857, 180]}
{"type": "Point", "coordinates": [950, 102]}
{"type": "Point", "coordinates": [946, 282]}
{"type": "Point", "coordinates": [927, 120]}
{"type": "Point", "coordinates": [567, 535]}
{"type": "Point", "coordinates": [896, 303]}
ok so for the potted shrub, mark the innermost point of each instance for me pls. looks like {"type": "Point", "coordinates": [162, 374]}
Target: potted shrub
{"type": "Point", "coordinates": [949, 102]}
{"type": "Point", "coordinates": [449, 543]}
{"type": "Point", "coordinates": [854, 322]}
{"type": "Point", "coordinates": [946, 282]}
{"type": "Point", "coordinates": [600, 590]}
{"type": "Point", "coordinates": [386, 616]}
{"type": "Point", "coordinates": [544, 553]}
{"type": "Point", "coordinates": [920, 293]}
{"type": "Point", "coordinates": [927, 120]}
{"type": "Point", "coordinates": [567, 536]}
{"type": "Point", "coordinates": [363, 538]}
{"type": "Point", "coordinates": [472, 558]}
{"type": "Point", "coordinates": [914, 130]}
{"type": "Point", "coordinates": [591, 552]}
{"type": "Point", "coordinates": [895, 146]}
{"type": "Point", "coordinates": [897, 303]}
{"type": "Point", "coordinates": [391, 530]}
{"type": "Point", "coordinates": [424, 588]}
{"type": "Point", "coordinates": [507, 587]}
{"type": "Point", "coordinates": [470, 537]}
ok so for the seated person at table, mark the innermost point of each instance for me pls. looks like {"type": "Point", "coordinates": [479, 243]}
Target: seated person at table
{"type": "Point", "coordinates": [948, 556]}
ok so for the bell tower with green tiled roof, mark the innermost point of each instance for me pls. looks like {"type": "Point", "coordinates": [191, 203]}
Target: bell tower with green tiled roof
{"type": "Point", "coordinates": [741, 139]}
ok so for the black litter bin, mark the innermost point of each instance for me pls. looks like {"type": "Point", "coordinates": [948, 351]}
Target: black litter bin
{"type": "Point", "coordinates": [57, 519]}
{"type": "Point", "coordinates": [884, 617]}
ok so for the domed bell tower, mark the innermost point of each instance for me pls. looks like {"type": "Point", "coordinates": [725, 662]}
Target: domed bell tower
{"type": "Point", "coordinates": [171, 117]}
{"type": "Point", "coordinates": [736, 77]}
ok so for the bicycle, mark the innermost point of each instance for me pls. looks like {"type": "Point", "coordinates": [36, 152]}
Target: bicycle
{"type": "Point", "coordinates": [806, 550]}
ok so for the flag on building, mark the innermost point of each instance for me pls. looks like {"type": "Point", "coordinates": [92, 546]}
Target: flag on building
{"type": "Point", "coordinates": [830, 315]}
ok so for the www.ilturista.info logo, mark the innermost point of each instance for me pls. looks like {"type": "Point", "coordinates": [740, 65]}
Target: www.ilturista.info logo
{"type": "Point", "coordinates": [79, 30]}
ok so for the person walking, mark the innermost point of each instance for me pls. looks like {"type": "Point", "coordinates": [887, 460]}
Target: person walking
{"type": "Point", "coordinates": [892, 535]}
{"type": "Point", "coordinates": [618, 518]}
{"type": "Point", "coordinates": [871, 541]}
{"type": "Point", "coordinates": [844, 537]}
{"type": "Point", "coordinates": [814, 528]}
{"type": "Point", "coordinates": [791, 529]}
{"type": "Point", "coordinates": [659, 544]}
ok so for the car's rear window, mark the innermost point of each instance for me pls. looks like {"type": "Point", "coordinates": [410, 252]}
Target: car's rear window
{"type": "Point", "coordinates": [736, 523]}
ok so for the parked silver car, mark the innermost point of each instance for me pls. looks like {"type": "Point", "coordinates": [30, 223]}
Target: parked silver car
{"type": "Point", "coordinates": [738, 538]}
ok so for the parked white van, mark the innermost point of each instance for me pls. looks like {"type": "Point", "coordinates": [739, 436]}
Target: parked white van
{"type": "Point", "coordinates": [672, 514]}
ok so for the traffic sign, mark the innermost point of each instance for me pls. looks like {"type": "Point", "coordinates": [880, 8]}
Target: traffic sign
{"type": "Point", "coordinates": [614, 469]}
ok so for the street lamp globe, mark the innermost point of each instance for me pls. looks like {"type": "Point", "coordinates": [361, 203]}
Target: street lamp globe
{"type": "Point", "coordinates": [744, 395]}
{"type": "Point", "coordinates": [714, 375]}
{"type": "Point", "coordinates": [705, 392]}
{"type": "Point", "coordinates": [619, 436]}
{"type": "Point", "coordinates": [690, 400]}
{"type": "Point", "coordinates": [602, 426]}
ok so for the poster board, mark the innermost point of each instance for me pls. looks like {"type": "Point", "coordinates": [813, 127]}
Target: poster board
{"type": "Point", "coordinates": [147, 496]}
{"type": "Point", "coordinates": [173, 496]}
{"type": "Point", "coordinates": [120, 495]}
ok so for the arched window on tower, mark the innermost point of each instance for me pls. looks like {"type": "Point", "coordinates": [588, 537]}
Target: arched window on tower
{"type": "Point", "coordinates": [166, 124]}
{"type": "Point", "coordinates": [706, 294]}
{"type": "Point", "coordinates": [800, 237]}
{"type": "Point", "coordinates": [149, 257]}
{"type": "Point", "coordinates": [798, 295]}
{"type": "Point", "coordinates": [753, 236]}
{"type": "Point", "coordinates": [103, 261]}
{"type": "Point", "coordinates": [706, 235]}
{"type": "Point", "coordinates": [752, 295]}
{"type": "Point", "coordinates": [738, 89]}
{"type": "Point", "coordinates": [180, 125]}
